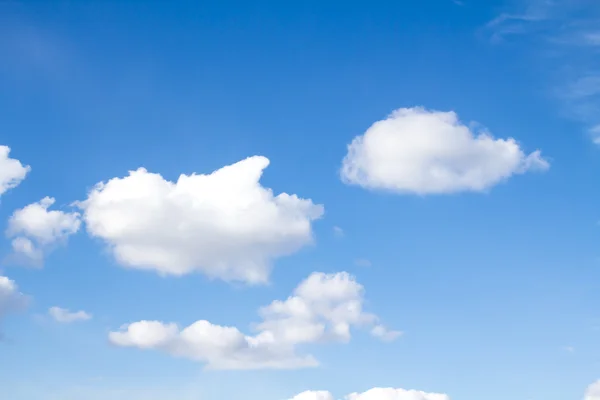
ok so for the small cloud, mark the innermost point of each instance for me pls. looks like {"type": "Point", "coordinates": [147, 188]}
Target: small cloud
{"type": "Point", "coordinates": [384, 334]}
{"type": "Point", "coordinates": [65, 316]}
{"type": "Point", "coordinates": [11, 299]}
{"type": "Point", "coordinates": [363, 262]}
{"type": "Point", "coordinates": [458, 2]}
{"type": "Point", "coordinates": [338, 232]}
{"type": "Point", "coordinates": [36, 230]}
{"type": "Point", "coordinates": [569, 349]}
{"type": "Point", "coordinates": [595, 134]}
{"type": "Point", "coordinates": [13, 171]}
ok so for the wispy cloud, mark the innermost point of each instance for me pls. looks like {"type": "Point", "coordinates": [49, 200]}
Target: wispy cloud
{"type": "Point", "coordinates": [338, 232]}
{"type": "Point", "coordinates": [565, 36]}
{"type": "Point", "coordinates": [569, 349]}
{"type": "Point", "coordinates": [65, 316]}
{"type": "Point", "coordinates": [362, 262]}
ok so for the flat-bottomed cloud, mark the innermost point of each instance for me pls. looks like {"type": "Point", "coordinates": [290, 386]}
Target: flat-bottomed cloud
{"type": "Point", "coordinates": [419, 151]}
{"type": "Point", "coordinates": [225, 224]}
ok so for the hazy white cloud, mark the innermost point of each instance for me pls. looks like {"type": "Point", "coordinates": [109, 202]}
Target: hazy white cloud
{"type": "Point", "coordinates": [363, 262]}
{"type": "Point", "coordinates": [225, 224]}
{"type": "Point", "coordinates": [338, 232]}
{"type": "Point", "coordinates": [375, 394]}
{"type": "Point", "coordinates": [386, 335]}
{"type": "Point", "coordinates": [65, 316]}
{"type": "Point", "coordinates": [36, 230]}
{"type": "Point", "coordinates": [12, 172]}
{"type": "Point", "coordinates": [322, 309]}
{"type": "Point", "coordinates": [591, 38]}
{"type": "Point", "coordinates": [11, 299]}
{"type": "Point", "coordinates": [419, 151]}
{"type": "Point", "coordinates": [595, 134]}
{"type": "Point", "coordinates": [593, 391]}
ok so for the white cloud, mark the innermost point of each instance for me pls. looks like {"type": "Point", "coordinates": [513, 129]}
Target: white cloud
{"type": "Point", "coordinates": [419, 151]}
{"type": "Point", "coordinates": [11, 299]}
{"type": "Point", "coordinates": [36, 230]}
{"type": "Point", "coordinates": [225, 225]}
{"type": "Point", "coordinates": [396, 394]}
{"type": "Point", "coordinates": [593, 391]}
{"type": "Point", "coordinates": [386, 335]}
{"type": "Point", "coordinates": [65, 316]}
{"type": "Point", "coordinates": [338, 232]}
{"type": "Point", "coordinates": [376, 394]}
{"type": "Point", "coordinates": [12, 172]}
{"type": "Point", "coordinates": [314, 395]}
{"type": "Point", "coordinates": [323, 308]}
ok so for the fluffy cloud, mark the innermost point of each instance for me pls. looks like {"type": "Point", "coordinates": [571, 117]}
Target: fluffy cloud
{"type": "Point", "coordinates": [11, 299]}
{"type": "Point", "coordinates": [430, 152]}
{"type": "Point", "coordinates": [323, 308]}
{"type": "Point", "coordinates": [593, 391]}
{"type": "Point", "coordinates": [12, 172]}
{"type": "Point", "coordinates": [225, 225]}
{"type": "Point", "coordinates": [65, 316]}
{"type": "Point", "coordinates": [314, 395]}
{"type": "Point", "coordinates": [35, 230]}
{"type": "Point", "coordinates": [375, 394]}
{"type": "Point", "coordinates": [396, 394]}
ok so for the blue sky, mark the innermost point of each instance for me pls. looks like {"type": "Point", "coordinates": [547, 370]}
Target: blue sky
{"type": "Point", "coordinates": [424, 249]}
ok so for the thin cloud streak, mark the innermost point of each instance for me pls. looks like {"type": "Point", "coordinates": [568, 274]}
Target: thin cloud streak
{"type": "Point", "coordinates": [563, 34]}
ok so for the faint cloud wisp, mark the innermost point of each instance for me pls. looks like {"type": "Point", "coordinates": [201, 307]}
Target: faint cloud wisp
{"type": "Point", "coordinates": [565, 36]}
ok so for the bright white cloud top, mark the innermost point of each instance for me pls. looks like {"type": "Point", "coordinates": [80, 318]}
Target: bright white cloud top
{"type": "Point", "coordinates": [225, 224]}
{"type": "Point", "coordinates": [375, 394]}
{"type": "Point", "coordinates": [419, 151]}
{"type": "Point", "coordinates": [11, 299]}
{"type": "Point", "coordinates": [323, 308]}
{"type": "Point", "coordinates": [65, 316]}
{"type": "Point", "coordinates": [12, 172]}
{"type": "Point", "coordinates": [35, 229]}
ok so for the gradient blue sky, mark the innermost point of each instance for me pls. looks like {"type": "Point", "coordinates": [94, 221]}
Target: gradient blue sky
{"type": "Point", "coordinates": [496, 292]}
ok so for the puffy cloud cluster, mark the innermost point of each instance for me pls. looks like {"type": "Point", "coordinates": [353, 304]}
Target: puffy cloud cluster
{"type": "Point", "coordinates": [35, 229]}
{"type": "Point", "coordinates": [323, 308]}
{"type": "Point", "coordinates": [12, 172]}
{"type": "Point", "coordinates": [375, 394]}
{"type": "Point", "coordinates": [430, 152]}
{"type": "Point", "coordinates": [11, 299]}
{"type": "Point", "coordinates": [65, 316]}
{"type": "Point", "coordinates": [225, 224]}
